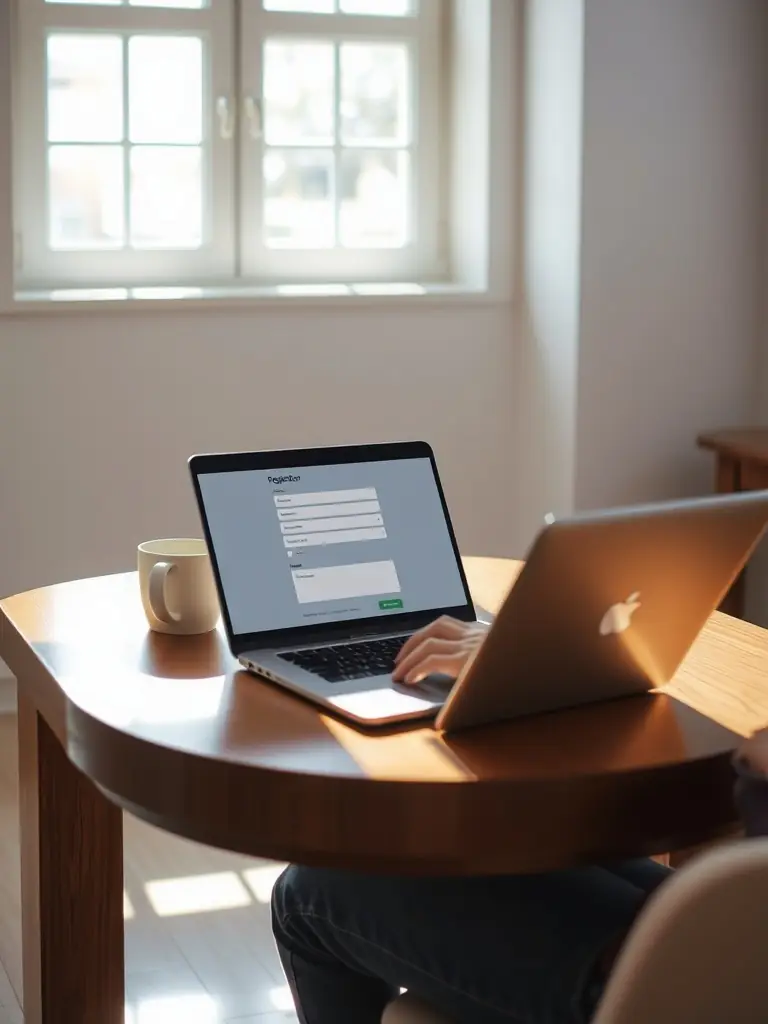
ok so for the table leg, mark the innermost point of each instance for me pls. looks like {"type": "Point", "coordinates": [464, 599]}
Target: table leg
{"type": "Point", "coordinates": [71, 884]}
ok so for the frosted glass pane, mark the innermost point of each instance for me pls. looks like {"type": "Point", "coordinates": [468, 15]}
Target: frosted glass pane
{"type": "Point", "coordinates": [390, 8]}
{"type": "Point", "coordinates": [298, 93]}
{"type": "Point", "coordinates": [85, 195]}
{"type": "Point", "coordinates": [298, 198]}
{"type": "Point", "coordinates": [85, 88]}
{"type": "Point", "coordinates": [301, 6]}
{"type": "Point", "coordinates": [375, 199]}
{"type": "Point", "coordinates": [165, 75]}
{"type": "Point", "coordinates": [166, 197]}
{"type": "Point", "coordinates": [375, 101]}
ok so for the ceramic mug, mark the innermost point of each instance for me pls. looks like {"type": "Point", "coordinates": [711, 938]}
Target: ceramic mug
{"type": "Point", "coordinates": [177, 588]}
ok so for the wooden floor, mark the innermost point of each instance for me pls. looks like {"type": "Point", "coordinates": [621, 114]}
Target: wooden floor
{"type": "Point", "coordinates": [198, 944]}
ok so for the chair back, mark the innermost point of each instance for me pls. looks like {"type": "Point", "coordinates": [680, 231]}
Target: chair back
{"type": "Point", "coordinates": [699, 952]}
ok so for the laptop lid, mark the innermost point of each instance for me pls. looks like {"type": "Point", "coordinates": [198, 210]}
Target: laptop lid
{"type": "Point", "coordinates": [328, 543]}
{"type": "Point", "coordinates": [607, 604]}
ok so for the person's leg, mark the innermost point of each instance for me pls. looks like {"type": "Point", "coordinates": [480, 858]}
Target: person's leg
{"type": "Point", "coordinates": [644, 873]}
{"type": "Point", "coordinates": [481, 950]}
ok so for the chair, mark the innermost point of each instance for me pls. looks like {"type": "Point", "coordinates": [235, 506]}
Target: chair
{"type": "Point", "coordinates": [698, 954]}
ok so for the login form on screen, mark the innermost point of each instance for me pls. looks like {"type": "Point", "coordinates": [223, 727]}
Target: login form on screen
{"type": "Point", "coordinates": [303, 546]}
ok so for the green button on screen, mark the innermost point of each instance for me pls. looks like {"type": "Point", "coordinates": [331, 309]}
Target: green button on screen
{"type": "Point", "coordinates": [390, 604]}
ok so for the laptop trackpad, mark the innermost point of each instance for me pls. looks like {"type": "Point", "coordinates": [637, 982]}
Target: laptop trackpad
{"type": "Point", "coordinates": [371, 705]}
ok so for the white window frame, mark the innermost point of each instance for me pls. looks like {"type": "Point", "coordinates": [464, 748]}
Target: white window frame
{"type": "Point", "coordinates": [232, 252]}
{"type": "Point", "coordinates": [424, 256]}
{"type": "Point", "coordinates": [40, 265]}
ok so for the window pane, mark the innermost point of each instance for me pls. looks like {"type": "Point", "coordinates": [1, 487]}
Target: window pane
{"type": "Point", "coordinates": [85, 88]}
{"type": "Point", "coordinates": [298, 93]}
{"type": "Point", "coordinates": [298, 198]}
{"type": "Point", "coordinates": [166, 88]}
{"type": "Point", "coordinates": [85, 189]}
{"type": "Point", "coordinates": [392, 8]}
{"type": "Point", "coordinates": [374, 187]}
{"type": "Point", "coordinates": [374, 94]}
{"type": "Point", "coordinates": [301, 6]}
{"type": "Point", "coordinates": [166, 197]}
{"type": "Point", "coordinates": [137, 3]}
{"type": "Point", "coordinates": [169, 3]}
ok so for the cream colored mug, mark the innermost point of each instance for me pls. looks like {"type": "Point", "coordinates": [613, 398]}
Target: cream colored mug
{"type": "Point", "coordinates": [177, 588]}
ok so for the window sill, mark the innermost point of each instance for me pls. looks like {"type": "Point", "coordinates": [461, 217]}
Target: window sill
{"type": "Point", "coordinates": [237, 297]}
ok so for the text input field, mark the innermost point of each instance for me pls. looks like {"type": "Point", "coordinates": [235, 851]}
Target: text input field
{"type": "Point", "coordinates": [339, 523]}
{"type": "Point", "coordinates": [344, 508]}
{"type": "Point", "coordinates": [325, 497]}
{"type": "Point", "coordinates": [309, 540]}
{"type": "Point", "coordinates": [341, 582]}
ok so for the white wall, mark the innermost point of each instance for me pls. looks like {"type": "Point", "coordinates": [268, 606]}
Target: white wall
{"type": "Point", "coordinates": [676, 111]}
{"type": "Point", "coordinates": [549, 338]}
{"type": "Point", "coordinates": [98, 412]}
{"type": "Point", "coordinates": [645, 199]}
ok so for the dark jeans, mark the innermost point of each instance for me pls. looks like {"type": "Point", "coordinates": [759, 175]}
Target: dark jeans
{"type": "Point", "coordinates": [521, 949]}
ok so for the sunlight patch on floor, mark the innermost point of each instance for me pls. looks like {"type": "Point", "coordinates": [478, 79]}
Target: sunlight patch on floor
{"type": "Point", "coordinates": [189, 1009]}
{"type": "Point", "coordinates": [195, 894]}
{"type": "Point", "coordinates": [261, 881]}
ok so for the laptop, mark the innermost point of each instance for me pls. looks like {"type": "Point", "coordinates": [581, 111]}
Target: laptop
{"type": "Point", "coordinates": [326, 560]}
{"type": "Point", "coordinates": [607, 605]}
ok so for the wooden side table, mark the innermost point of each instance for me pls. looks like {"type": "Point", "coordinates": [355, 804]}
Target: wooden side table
{"type": "Point", "coordinates": [741, 465]}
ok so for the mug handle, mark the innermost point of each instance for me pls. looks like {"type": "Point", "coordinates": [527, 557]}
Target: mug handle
{"type": "Point", "coordinates": [158, 574]}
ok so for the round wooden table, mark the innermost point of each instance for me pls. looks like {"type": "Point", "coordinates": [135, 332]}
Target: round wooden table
{"type": "Point", "coordinates": [169, 729]}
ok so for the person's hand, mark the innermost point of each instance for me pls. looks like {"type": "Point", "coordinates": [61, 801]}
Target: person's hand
{"type": "Point", "coordinates": [754, 752]}
{"type": "Point", "coordinates": [444, 646]}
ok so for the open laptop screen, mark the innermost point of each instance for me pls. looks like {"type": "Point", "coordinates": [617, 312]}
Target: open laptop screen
{"type": "Point", "coordinates": [313, 545]}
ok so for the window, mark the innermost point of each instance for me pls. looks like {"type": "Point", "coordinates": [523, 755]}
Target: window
{"type": "Point", "coordinates": [206, 141]}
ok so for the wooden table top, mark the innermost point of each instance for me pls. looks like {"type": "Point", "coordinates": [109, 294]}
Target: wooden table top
{"type": "Point", "coordinates": [739, 443]}
{"type": "Point", "coordinates": [170, 729]}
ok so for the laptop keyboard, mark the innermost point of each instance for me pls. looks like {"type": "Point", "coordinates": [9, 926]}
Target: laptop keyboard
{"type": "Point", "coordinates": [348, 661]}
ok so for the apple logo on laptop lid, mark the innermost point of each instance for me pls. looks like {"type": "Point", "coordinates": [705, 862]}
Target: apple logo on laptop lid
{"type": "Point", "coordinates": [619, 616]}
